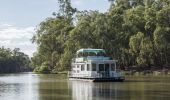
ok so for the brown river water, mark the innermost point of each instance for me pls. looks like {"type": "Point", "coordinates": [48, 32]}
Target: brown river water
{"type": "Point", "coordinates": [29, 86]}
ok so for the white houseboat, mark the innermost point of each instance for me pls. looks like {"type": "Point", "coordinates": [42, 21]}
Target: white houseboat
{"type": "Point", "coordinates": [94, 65]}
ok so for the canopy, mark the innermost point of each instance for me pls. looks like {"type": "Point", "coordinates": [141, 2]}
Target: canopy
{"type": "Point", "coordinates": [96, 51]}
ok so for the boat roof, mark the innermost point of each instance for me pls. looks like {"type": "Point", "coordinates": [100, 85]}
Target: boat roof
{"type": "Point", "coordinates": [90, 50]}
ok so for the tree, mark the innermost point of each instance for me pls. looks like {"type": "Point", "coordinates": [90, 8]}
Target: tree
{"type": "Point", "coordinates": [162, 45]}
{"type": "Point", "coordinates": [13, 61]}
{"type": "Point", "coordinates": [135, 32]}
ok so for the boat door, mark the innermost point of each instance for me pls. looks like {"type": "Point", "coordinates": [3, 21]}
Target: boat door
{"type": "Point", "coordinates": [107, 70]}
{"type": "Point", "coordinates": [104, 70]}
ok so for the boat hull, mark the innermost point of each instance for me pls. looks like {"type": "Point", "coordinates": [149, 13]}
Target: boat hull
{"type": "Point", "coordinates": [116, 79]}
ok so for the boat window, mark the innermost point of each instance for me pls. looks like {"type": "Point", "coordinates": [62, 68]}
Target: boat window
{"type": "Point", "coordinates": [101, 53]}
{"type": "Point", "coordinates": [82, 67]}
{"type": "Point", "coordinates": [88, 67]}
{"type": "Point", "coordinates": [101, 67]}
{"type": "Point", "coordinates": [78, 66]}
{"type": "Point", "coordinates": [85, 54]}
{"type": "Point", "coordinates": [113, 67]}
{"type": "Point", "coordinates": [106, 67]}
{"type": "Point", "coordinates": [78, 71]}
{"type": "Point", "coordinates": [92, 54]}
{"type": "Point", "coordinates": [93, 67]}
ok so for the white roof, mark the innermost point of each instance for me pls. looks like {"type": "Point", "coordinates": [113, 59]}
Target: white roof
{"type": "Point", "coordinates": [89, 50]}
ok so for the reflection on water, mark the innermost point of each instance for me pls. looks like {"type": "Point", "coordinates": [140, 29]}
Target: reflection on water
{"type": "Point", "coordinates": [119, 91]}
{"type": "Point", "coordinates": [95, 91]}
{"type": "Point", "coordinates": [18, 86]}
{"type": "Point", "coordinates": [52, 88]}
{"type": "Point", "coordinates": [90, 91]}
{"type": "Point", "coordinates": [28, 86]}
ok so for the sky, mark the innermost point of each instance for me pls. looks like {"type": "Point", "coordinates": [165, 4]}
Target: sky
{"type": "Point", "coordinates": [19, 19]}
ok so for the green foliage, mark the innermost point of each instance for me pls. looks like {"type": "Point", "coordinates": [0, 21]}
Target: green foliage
{"type": "Point", "coordinates": [13, 61]}
{"type": "Point", "coordinates": [44, 68]}
{"type": "Point", "coordinates": [136, 33]}
{"type": "Point", "coordinates": [141, 48]}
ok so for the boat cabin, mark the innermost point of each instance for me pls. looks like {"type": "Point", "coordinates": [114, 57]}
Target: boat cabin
{"type": "Point", "coordinates": [93, 64]}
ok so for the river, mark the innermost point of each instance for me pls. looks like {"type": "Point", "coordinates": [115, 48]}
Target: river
{"type": "Point", "coordinates": [29, 86]}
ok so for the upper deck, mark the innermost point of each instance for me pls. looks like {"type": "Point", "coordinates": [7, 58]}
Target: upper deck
{"type": "Point", "coordinates": [91, 54]}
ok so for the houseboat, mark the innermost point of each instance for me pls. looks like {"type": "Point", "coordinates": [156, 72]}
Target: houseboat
{"type": "Point", "coordinates": [94, 65]}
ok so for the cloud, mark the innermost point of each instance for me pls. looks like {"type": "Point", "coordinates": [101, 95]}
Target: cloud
{"type": "Point", "coordinates": [5, 25]}
{"type": "Point", "coordinates": [77, 2]}
{"type": "Point", "coordinates": [4, 42]}
{"type": "Point", "coordinates": [17, 37]}
{"type": "Point", "coordinates": [100, 5]}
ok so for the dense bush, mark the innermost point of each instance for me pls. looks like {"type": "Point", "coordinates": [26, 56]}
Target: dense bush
{"type": "Point", "coordinates": [13, 61]}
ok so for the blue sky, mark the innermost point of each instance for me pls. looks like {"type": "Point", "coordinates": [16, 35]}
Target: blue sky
{"type": "Point", "coordinates": [18, 19]}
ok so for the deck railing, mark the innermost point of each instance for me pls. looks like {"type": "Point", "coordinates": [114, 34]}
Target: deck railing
{"type": "Point", "coordinates": [98, 75]}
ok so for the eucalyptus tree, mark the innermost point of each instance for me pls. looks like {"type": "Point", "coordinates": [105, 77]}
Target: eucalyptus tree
{"type": "Point", "coordinates": [136, 32]}
{"type": "Point", "coordinates": [13, 61]}
{"type": "Point", "coordinates": [52, 35]}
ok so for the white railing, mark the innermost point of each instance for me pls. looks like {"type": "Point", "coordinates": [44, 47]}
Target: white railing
{"type": "Point", "coordinates": [96, 75]}
{"type": "Point", "coordinates": [70, 74]}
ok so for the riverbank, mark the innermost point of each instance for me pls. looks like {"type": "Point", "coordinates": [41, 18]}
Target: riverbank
{"type": "Point", "coordinates": [147, 72]}
{"type": "Point", "coordinates": [126, 73]}
{"type": "Point", "coordinates": [165, 78]}
{"type": "Point", "coordinates": [135, 77]}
